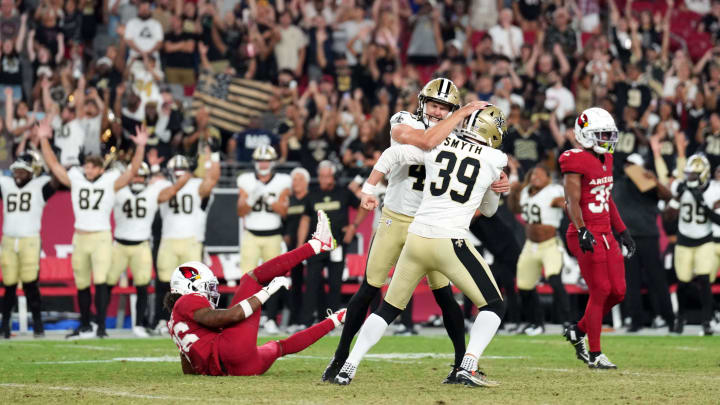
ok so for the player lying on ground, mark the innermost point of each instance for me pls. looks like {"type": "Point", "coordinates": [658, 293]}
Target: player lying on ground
{"type": "Point", "coordinates": [224, 341]}
{"type": "Point", "coordinates": [588, 179]}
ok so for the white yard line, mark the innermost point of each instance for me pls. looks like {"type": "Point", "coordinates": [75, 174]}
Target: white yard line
{"type": "Point", "coordinates": [89, 347]}
{"type": "Point", "coordinates": [101, 391]}
{"type": "Point", "coordinates": [163, 359]}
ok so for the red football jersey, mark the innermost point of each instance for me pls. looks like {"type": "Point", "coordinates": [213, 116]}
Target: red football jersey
{"type": "Point", "coordinates": [597, 182]}
{"type": "Point", "coordinates": [196, 342]}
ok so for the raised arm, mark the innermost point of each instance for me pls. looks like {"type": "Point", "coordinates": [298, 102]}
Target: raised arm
{"type": "Point", "coordinates": [212, 175]}
{"type": "Point", "coordinates": [44, 132]}
{"type": "Point", "coordinates": [140, 139]}
{"type": "Point", "coordinates": [432, 137]}
{"type": "Point", "coordinates": [168, 192]}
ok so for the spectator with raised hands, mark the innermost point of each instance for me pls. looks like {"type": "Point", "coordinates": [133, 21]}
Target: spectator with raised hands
{"type": "Point", "coordinates": [560, 32]}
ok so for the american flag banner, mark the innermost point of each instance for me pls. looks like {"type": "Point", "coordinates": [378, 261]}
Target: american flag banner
{"type": "Point", "coordinates": [232, 102]}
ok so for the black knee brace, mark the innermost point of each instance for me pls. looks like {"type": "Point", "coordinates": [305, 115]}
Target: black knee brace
{"type": "Point", "coordinates": [388, 312]}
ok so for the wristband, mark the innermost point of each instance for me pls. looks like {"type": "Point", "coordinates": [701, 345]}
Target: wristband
{"type": "Point", "coordinates": [247, 309]}
{"type": "Point", "coordinates": [262, 295]}
{"type": "Point", "coordinates": [368, 188]}
{"type": "Point", "coordinates": [674, 204]}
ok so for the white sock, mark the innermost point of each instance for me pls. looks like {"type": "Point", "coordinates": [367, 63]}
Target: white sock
{"type": "Point", "coordinates": [315, 245]}
{"type": "Point", "coordinates": [482, 332]}
{"type": "Point", "coordinates": [370, 333]}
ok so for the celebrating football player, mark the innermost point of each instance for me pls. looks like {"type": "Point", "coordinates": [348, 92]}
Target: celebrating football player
{"type": "Point", "coordinates": [695, 251]}
{"type": "Point", "coordinates": [182, 216]}
{"type": "Point", "coordinates": [588, 179]}
{"type": "Point", "coordinates": [460, 170]}
{"type": "Point", "coordinates": [262, 203]}
{"type": "Point", "coordinates": [134, 212]}
{"type": "Point", "coordinates": [93, 191]}
{"type": "Point", "coordinates": [435, 119]}
{"type": "Point", "coordinates": [224, 341]}
{"type": "Point", "coordinates": [24, 196]}
{"type": "Point", "coordinates": [541, 204]}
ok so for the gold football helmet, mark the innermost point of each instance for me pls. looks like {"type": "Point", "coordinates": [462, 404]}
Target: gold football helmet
{"type": "Point", "coordinates": [439, 90]}
{"type": "Point", "coordinates": [264, 153]}
{"type": "Point", "coordinates": [28, 161]}
{"type": "Point", "coordinates": [144, 172]}
{"type": "Point", "coordinates": [486, 126]}
{"type": "Point", "coordinates": [697, 171]}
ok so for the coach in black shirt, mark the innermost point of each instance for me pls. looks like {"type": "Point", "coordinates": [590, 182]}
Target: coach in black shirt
{"type": "Point", "coordinates": [335, 201]}
{"type": "Point", "coordinates": [639, 211]}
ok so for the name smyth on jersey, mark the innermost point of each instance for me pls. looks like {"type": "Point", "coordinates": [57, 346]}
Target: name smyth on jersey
{"type": "Point", "coordinates": [462, 145]}
{"type": "Point", "coordinates": [601, 180]}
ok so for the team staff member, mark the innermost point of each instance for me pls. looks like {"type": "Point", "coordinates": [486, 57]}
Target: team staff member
{"type": "Point", "coordinates": [93, 195]}
{"type": "Point", "coordinates": [335, 201]}
{"type": "Point", "coordinates": [296, 207]}
{"type": "Point", "coordinates": [541, 204]}
{"type": "Point", "coordinates": [24, 195]}
{"type": "Point", "coordinates": [134, 212]}
{"type": "Point", "coordinates": [640, 212]}
{"type": "Point", "coordinates": [182, 216]}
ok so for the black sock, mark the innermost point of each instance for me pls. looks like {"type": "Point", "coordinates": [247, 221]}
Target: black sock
{"type": "Point", "coordinates": [406, 315]}
{"type": "Point", "coordinates": [560, 297]}
{"type": "Point", "coordinates": [593, 355]}
{"type": "Point", "coordinates": [527, 304]}
{"type": "Point", "coordinates": [8, 305]}
{"type": "Point", "coordinates": [706, 298]}
{"type": "Point", "coordinates": [683, 295]}
{"type": "Point", "coordinates": [354, 317]}
{"type": "Point", "coordinates": [102, 298]}
{"type": "Point", "coordinates": [84, 301]}
{"type": "Point", "coordinates": [141, 306]}
{"type": "Point", "coordinates": [161, 313]}
{"type": "Point", "coordinates": [32, 292]}
{"type": "Point", "coordinates": [453, 320]}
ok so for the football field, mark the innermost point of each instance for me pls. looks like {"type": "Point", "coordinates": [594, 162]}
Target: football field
{"type": "Point", "coordinates": [543, 369]}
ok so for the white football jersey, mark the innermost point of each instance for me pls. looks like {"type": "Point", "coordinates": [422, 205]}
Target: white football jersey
{"type": "Point", "coordinates": [22, 207]}
{"type": "Point", "coordinates": [134, 213]}
{"type": "Point", "coordinates": [693, 222]}
{"type": "Point", "coordinates": [458, 173]}
{"type": "Point", "coordinates": [406, 181]}
{"type": "Point", "coordinates": [92, 201]}
{"type": "Point", "coordinates": [180, 213]}
{"type": "Point", "coordinates": [262, 217]}
{"type": "Point", "coordinates": [537, 209]}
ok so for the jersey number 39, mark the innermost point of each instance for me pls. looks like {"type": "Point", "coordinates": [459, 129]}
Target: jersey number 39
{"type": "Point", "coordinates": [462, 176]}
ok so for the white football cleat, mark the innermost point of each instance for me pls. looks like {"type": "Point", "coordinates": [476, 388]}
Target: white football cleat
{"type": "Point", "coordinates": [601, 362]}
{"type": "Point", "coordinates": [271, 327]}
{"type": "Point", "coordinates": [140, 331]}
{"type": "Point", "coordinates": [323, 233]}
{"type": "Point", "coordinates": [338, 317]}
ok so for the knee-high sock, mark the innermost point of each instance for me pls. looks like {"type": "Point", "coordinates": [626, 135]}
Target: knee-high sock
{"type": "Point", "coordinates": [301, 340]}
{"type": "Point", "coordinates": [32, 292]}
{"type": "Point", "coordinates": [484, 328]}
{"type": "Point", "coordinates": [279, 266]}
{"type": "Point", "coordinates": [102, 298]}
{"type": "Point", "coordinates": [560, 297]}
{"type": "Point", "coordinates": [356, 311]}
{"type": "Point", "coordinates": [84, 301]}
{"type": "Point", "coordinates": [706, 298]}
{"type": "Point", "coordinates": [370, 333]}
{"type": "Point", "coordinates": [406, 315]}
{"type": "Point", "coordinates": [529, 303]}
{"type": "Point", "coordinates": [161, 288]}
{"type": "Point", "coordinates": [141, 306]}
{"type": "Point", "coordinates": [8, 304]}
{"type": "Point", "coordinates": [453, 320]}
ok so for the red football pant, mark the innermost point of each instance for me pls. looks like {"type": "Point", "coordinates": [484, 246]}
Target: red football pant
{"type": "Point", "coordinates": [604, 273]}
{"type": "Point", "coordinates": [237, 345]}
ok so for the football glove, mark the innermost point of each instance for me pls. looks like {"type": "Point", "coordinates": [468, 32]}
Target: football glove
{"type": "Point", "coordinates": [681, 189]}
{"type": "Point", "coordinates": [628, 242]}
{"type": "Point", "coordinates": [587, 240]}
{"type": "Point", "coordinates": [276, 284]}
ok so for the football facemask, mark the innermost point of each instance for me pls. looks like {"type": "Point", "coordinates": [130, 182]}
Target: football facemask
{"type": "Point", "coordinates": [195, 278]}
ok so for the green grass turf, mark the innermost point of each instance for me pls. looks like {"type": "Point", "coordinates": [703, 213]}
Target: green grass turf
{"type": "Point", "coordinates": [531, 370]}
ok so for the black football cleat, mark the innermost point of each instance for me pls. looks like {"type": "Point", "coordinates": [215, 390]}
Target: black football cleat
{"type": "Point", "coordinates": [707, 330]}
{"type": "Point", "coordinates": [346, 374]}
{"type": "Point", "coordinates": [101, 333]}
{"type": "Point", "coordinates": [452, 377]}
{"type": "Point", "coordinates": [332, 370]}
{"type": "Point", "coordinates": [83, 332]}
{"type": "Point", "coordinates": [577, 339]}
{"type": "Point", "coordinates": [678, 326]}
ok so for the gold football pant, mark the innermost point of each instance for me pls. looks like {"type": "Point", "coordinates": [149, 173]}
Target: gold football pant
{"type": "Point", "coordinates": [254, 248]}
{"type": "Point", "coordinates": [534, 258]}
{"type": "Point", "coordinates": [92, 254]}
{"type": "Point", "coordinates": [20, 259]}
{"type": "Point", "coordinates": [695, 261]}
{"type": "Point", "coordinates": [456, 259]}
{"type": "Point", "coordinates": [137, 257]}
{"type": "Point", "coordinates": [174, 252]}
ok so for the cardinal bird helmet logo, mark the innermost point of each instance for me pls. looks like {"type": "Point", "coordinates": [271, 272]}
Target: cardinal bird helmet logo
{"type": "Point", "coordinates": [190, 273]}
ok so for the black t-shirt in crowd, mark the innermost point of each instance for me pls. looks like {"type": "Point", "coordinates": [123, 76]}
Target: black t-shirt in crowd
{"type": "Point", "coordinates": [529, 150]}
{"type": "Point", "coordinates": [711, 148]}
{"type": "Point", "coordinates": [626, 145]}
{"type": "Point", "coordinates": [530, 9]}
{"type": "Point", "coordinates": [634, 95]}
{"type": "Point", "coordinates": [179, 59]}
{"type": "Point", "coordinates": [335, 203]}
{"type": "Point", "coordinates": [314, 151]}
{"type": "Point", "coordinates": [10, 74]}
{"type": "Point", "coordinates": [296, 208]}
{"type": "Point", "coordinates": [638, 210]}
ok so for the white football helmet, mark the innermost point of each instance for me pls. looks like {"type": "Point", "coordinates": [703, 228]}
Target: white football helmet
{"type": "Point", "coordinates": [264, 153]}
{"type": "Point", "coordinates": [144, 172]}
{"type": "Point", "coordinates": [697, 171]}
{"type": "Point", "coordinates": [195, 278]}
{"type": "Point", "coordinates": [595, 129]}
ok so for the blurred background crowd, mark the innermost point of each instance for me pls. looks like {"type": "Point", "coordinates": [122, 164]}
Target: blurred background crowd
{"type": "Point", "coordinates": [332, 72]}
